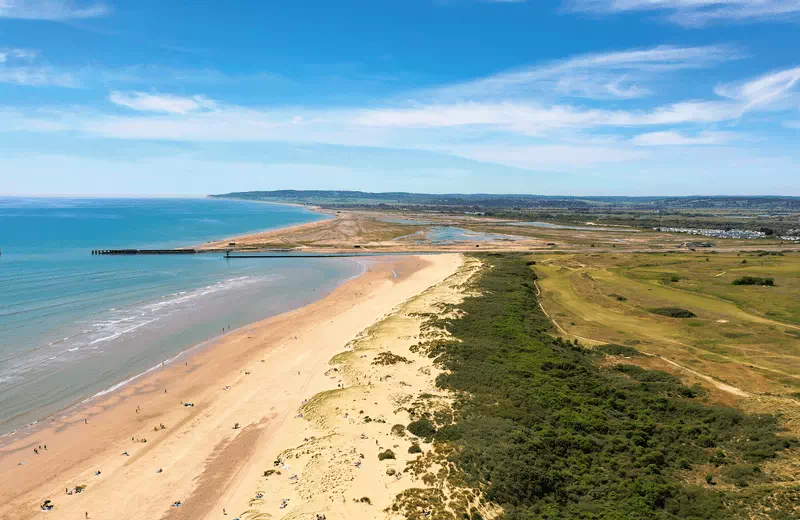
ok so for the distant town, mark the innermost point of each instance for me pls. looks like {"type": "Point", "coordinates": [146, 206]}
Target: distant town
{"type": "Point", "coordinates": [730, 233]}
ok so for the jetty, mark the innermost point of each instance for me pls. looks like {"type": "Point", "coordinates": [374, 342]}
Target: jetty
{"type": "Point", "coordinates": [144, 251]}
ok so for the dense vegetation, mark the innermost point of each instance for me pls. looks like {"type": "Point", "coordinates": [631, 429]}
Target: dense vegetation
{"type": "Point", "coordinates": [673, 312]}
{"type": "Point", "coordinates": [547, 433]}
{"type": "Point", "coordinates": [753, 280]}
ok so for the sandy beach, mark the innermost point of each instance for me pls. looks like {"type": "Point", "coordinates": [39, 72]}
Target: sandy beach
{"type": "Point", "coordinates": [203, 431]}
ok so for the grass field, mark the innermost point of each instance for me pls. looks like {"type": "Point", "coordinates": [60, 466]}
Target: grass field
{"type": "Point", "coordinates": [746, 336]}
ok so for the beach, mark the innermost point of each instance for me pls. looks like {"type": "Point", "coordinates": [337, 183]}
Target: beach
{"type": "Point", "coordinates": [201, 431]}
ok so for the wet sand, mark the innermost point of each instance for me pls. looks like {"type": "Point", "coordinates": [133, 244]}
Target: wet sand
{"type": "Point", "coordinates": [257, 376]}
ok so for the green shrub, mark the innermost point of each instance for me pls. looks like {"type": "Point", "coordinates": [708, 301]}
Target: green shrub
{"type": "Point", "coordinates": [753, 280]}
{"type": "Point", "coordinates": [618, 350]}
{"type": "Point", "coordinates": [388, 454]}
{"type": "Point", "coordinates": [414, 448]}
{"type": "Point", "coordinates": [546, 432]}
{"type": "Point", "coordinates": [673, 312]}
{"type": "Point", "coordinates": [388, 358]}
{"type": "Point", "coordinates": [399, 430]}
{"type": "Point", "coordinates": [422, 428]}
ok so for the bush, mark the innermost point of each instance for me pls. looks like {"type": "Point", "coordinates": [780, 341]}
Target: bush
{"type": "Point", "coordinates": [388, 454]}
{"type": "Point", "coordinates": [618, 350]}
{"type": "Point", "coordinates": [388, 358]}
{"type": "Point", "coordinates": [414, 448]}
{"type": "Point", "coordinates": [399, 430]}
{"type": "Point", "coordinates": [546, 432]}
{"type": "Point", "coordinates": [753, 280]}
{"type": "Point", "coordinates": [422, 428]}
{"type": "Point", "coordinates": [673, 312]}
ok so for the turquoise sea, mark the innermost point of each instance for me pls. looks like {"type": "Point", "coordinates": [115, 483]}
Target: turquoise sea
{"type": "Point", "coordinates": [73, 325]}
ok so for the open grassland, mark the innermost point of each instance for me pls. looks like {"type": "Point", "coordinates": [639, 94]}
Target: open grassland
{"type": "Point", "coordinates": [745, 335]}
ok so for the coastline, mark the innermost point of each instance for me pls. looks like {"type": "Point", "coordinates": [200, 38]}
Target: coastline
{"type": "Point", "coordinates": [212, 245]}
{"type": "Point", "coordinates": [30, 405]}
{"type": "Point", "coordinates": [220, 245]}
{"type": "Point", "coordinates": [96, 434]}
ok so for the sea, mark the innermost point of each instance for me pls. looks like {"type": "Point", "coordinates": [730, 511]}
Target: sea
{"type": "Point", "coordinates": [75, 325]}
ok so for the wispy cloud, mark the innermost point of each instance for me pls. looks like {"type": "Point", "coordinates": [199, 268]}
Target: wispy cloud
{"type": "Point", "coordinates": [534, 120]}
{"type": "Point", "coordinates": [53, 10]}
{"type": "Point", "coordinates": [551, 157]}
{"type": "Point", "coordinates": [7, 55]}
{"type": "Point", "coordinates": [166, 103]}
{"type": "Point", "coordinates": [612, 75]}
{"type": "Point", "coordinates": [776, 89]}
{"type": "Point", "coordinates": [697, 13]}
{"type": "Point", "coordinates": [527, 132]}
{"type": "Point", "coordinates": [36, 76]}
{"type": "Point", "coordinates": [21, 67]}
{"type": "Point", "coordinates": [673, 138]}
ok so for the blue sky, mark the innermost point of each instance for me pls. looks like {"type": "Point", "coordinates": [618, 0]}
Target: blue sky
{"type": "Point", "coordinates": [607, 97]}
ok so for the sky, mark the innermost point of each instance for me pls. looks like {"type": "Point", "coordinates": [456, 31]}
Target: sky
{"type": "Point", "coordinates": [564, 97]}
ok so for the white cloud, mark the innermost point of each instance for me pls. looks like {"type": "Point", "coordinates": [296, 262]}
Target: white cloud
{"type": "Point", "coordinates": [534, 119]}
{"type": "Point", "coordinates": [792, 124]}
{"type": "Point", "coordinates": [776, 89]}
{"type": "Point", "coordinates": [526, 132]}
{"type": "Point", "coordinates": [697, 13]}
{"type": "Point", "coordinates": [53, 10]}
{"type": "Point", "coordinates": [170, 104]}
{"type": "Point", "coordinates": [622, 74]}
{"type": "Point", "coordinates": [673, 138]}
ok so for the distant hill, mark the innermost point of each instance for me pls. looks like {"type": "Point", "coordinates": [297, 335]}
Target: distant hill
{"type": "Point", "coordinates": [484, 200]}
